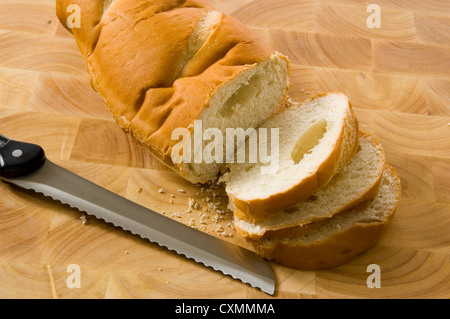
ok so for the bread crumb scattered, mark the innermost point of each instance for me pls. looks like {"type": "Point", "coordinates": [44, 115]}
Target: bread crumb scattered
{"type": "Point", "coordinates": [139, 190]}
{"type": "Point", "coordinates": [161, 191]}
{"type": "Point", "coordinates": [193, 204]}
{"type": "Point", "coordinates": [182, 191]}
{"type": "Point", "coordinates": [83, 219]}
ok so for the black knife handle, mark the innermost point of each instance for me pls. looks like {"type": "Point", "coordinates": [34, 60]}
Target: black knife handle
{"type": "Point", "coordinates": [18, 158]}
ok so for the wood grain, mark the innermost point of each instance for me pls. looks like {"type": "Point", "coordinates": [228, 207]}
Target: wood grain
{"type": "Point", "coordinates": [397, 78]}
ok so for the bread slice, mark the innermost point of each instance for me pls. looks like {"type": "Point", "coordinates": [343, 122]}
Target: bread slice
{"type": "Point", "coordinates": [316, 140]}
{"type": "Point", "coordinates": [356, 183]}
{"type": "Point", "coordinates": [340, 238]}
{"type": "Point", "coordinates": [161, 65]}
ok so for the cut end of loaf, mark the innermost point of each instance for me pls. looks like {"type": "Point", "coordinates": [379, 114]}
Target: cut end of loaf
{"type": "Point", "coordinates": [244, 102]}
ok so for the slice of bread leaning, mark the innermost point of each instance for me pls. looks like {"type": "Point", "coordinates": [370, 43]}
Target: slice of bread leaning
{"type": "Point", "coordinates": [316, 140]}
{"type": "Point", "coordinates": [356, 183]}
{"type": "Point", "coordinates": [342, 237]}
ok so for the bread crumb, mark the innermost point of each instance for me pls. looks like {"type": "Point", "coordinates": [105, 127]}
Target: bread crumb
{"type": "Point", "coordinates": [171, 201]}
{"type": "Point", "coordinates": [202, 218]}
{"type": "Point", "coordinates": [182, 191]}
{"type": "Point", "coordinates": [83, 219]}
{"type": "Point", "coordinates": [176, 215]}
{"type": "Point", "coordinates": [161, 191]}
{"type": "Point", "coordinates": [193, 204]}
{"type": "Point", "coordinates": [160, 269]}
{"type": "Point", "coordinates": [139, 190]}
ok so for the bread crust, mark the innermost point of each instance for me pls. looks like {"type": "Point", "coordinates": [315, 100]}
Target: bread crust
{"type": "Point", "coordinates": [344, 149]}
{"type": "Point", "coordinates": [334, 251]}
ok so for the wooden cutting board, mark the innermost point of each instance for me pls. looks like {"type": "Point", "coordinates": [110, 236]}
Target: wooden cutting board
{"type": "Point", "coordinates": [397, 77]}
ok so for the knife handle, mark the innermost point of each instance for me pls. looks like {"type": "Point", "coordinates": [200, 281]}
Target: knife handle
{"type": "Point", "coordinates": [18, 158]}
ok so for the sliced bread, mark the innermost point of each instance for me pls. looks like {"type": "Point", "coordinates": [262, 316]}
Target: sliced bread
{"type": "Point", "coordinates": [316, 140]}
{"type": "Point", "coordinates": [340, 238]}
{"type": "Point", "coordinates": [356, 183]}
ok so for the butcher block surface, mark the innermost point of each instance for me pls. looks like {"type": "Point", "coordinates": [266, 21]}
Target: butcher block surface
{"type": "Point", "coordinates": [396, 76]}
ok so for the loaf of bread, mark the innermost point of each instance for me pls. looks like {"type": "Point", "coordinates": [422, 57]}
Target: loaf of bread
{"type": "Point", "coordinates": [161, 65]}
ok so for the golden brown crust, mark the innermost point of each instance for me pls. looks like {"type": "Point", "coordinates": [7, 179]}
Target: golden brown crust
{"type": "Point", "coordinates": [334, 251]}
{"type": "Point", "coordinates": [90, 17]}
{"type": "Point", "coordinates": [337, 250]}
{"type": "Point", "coordinates": [258, 209]}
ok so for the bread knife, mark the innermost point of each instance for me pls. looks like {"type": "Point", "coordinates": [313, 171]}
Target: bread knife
{"type": "Point", "coordinates": [26, 166]}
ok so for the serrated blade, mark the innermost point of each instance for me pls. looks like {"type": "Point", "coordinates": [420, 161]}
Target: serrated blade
{"type": "Point", "coordinates": [69, 188]}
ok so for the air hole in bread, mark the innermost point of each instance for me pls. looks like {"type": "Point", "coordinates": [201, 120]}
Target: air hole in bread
{"type": "Point", "coordinates": [309, 140]}
{"type": "Point", "coordinates": [248, 91]}
{"type": "Point", "coordinates": [290, 210]}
